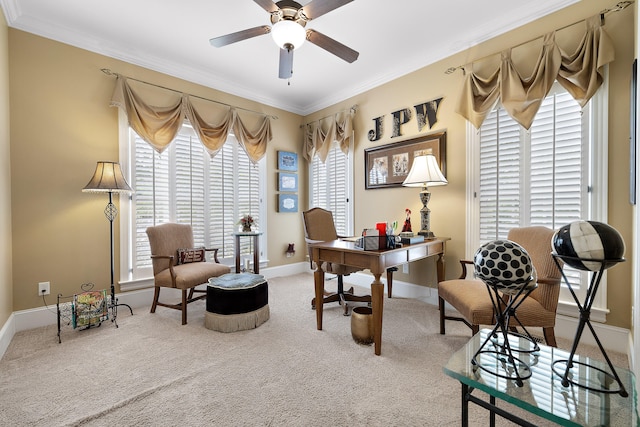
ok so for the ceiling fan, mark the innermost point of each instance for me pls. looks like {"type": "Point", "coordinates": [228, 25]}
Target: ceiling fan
{"type": "Point", "coordinates": [289, 19]}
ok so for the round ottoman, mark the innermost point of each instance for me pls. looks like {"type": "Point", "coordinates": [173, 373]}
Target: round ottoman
{"type": "Point", "coordinates": [236, 302]}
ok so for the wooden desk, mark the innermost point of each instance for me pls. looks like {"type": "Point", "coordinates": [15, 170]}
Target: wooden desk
{"type": "Point", "coordinates": [344, 252]}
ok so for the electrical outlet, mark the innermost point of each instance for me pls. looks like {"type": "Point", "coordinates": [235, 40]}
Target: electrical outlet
{"type": "Point", "coordinates": [44, 288]}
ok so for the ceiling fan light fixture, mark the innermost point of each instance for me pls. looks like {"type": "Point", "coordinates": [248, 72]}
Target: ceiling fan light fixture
{"type": "Point", "coordinates": [288, 32]}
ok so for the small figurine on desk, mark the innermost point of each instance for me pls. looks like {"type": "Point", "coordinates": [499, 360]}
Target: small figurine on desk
{"type": "Point", "coordinates": [407, 222]}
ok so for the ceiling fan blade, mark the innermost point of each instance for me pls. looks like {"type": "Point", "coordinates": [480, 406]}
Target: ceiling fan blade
{"type": "Point", "coordinates": [240, 35]}
{"type": "Point", "coordinates": [319, 7]}
{"type": "Point", "coordinates": [268, 5]}
{"type": "Point", "coordinates": [332, 46]}
{"type": "Point", "coordinates": [286, 63]}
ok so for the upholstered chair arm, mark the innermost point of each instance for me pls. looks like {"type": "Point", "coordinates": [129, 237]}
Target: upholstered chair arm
{"type": "Point", "coordinates": [215, 253]}
{"type": "Point", "coordinates": [463, 264]}
{"type": "Point", "coordinates": [171, 259]}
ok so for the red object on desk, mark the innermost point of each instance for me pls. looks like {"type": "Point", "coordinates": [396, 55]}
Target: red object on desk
{"type": "Point", "coordinates": [382, 232]}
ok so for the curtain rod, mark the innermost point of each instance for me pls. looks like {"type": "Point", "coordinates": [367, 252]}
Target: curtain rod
{"type": "Point", "coordinates": [353, 109]}
{"type": "Point", "coordinates": [618, 7]}
{"type": "Point", "coordinates": [111, 73]}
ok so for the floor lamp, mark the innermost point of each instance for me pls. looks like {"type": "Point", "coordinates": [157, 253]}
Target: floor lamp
{"type": "Point", "coordinates": [424, 172]}
{"type": "Point", "coordinates": [108, 178]}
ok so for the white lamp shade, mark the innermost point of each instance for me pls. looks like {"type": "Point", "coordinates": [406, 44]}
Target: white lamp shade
{"type": "Point", "coordinates": [424, 172]}
{"type": "Point", "coordinates": [108, 178]}
{"type": "Point", "coordinates": [288, 32]}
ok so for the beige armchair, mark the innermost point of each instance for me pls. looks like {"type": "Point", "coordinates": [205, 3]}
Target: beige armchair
{"type": "Point", "coordinates": [470, 297]}
{"type": "Point", "coordinates": [177, 264]}
{"type": "Point", "coordinates": [319, 227]}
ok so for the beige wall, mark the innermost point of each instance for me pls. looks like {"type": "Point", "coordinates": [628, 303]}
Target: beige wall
{"type": "Point", "coordinates": [61, 125]}
{"type": "Point", "coordinates": [448, 208]}
{"type": "Point", "coordinates": [6, 288]}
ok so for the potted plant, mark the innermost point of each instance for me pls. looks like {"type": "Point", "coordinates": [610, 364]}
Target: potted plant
{"type": "Point", "coordinates": [246, 222]}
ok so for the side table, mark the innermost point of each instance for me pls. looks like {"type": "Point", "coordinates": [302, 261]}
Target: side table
{"type": "Point", "coordinates": [256, 248]}
{"type": "Point", "coordinates": [544, 393]}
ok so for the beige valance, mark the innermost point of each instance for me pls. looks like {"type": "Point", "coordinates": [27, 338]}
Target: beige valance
{"type": "Point", "coordinates": [580, 73]}
{"type": "Point", "coordinates": [159, 125]}
{"type": "Point", "coordinates": [318, 141]}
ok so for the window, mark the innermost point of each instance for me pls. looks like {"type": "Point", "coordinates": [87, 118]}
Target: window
{"type": "Point", "coordinates": [331, 187]}
{"type": "Point", "coordinates": [185, 185]}
{"type": "Point", "coordinates": [550, 175]}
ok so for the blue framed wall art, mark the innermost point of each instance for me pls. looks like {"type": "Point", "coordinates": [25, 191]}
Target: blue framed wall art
{"type": "Point", "coordinates": [287, 161]}
{"type": "Point", "coordinates": [287, 202]}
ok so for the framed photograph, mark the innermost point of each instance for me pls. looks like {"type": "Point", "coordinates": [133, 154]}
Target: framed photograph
{"type": "Point", "coordinates": [287, 161]}
{"type": "Point", "coordinates": [287, 203]}
{"type": "Point", "coordinates": [287, 181]}
{"type": "Point", "coordinates": [388, 165]}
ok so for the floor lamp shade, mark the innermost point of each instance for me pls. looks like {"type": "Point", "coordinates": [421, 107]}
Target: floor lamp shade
{"type": "Point", "coordinates": [425, 172]}
{"type": "Point", "coordinates": [107, 178]}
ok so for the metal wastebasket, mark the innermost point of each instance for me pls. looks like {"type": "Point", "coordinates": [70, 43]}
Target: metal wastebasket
{"type": "Point", "coordinates": [362, 325]}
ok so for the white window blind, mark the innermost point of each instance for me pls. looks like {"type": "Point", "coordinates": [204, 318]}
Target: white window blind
{"type": "Point", "coordinates": [543, 176]}
{"type": "Point", "coordinates": [331, 188]}
{"type": "Point", "coordinates": [185, 185]}
{"type": "Point", "coordinates": [539, 177]}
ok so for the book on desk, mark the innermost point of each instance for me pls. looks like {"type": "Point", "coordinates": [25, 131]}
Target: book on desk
{"type": "Point", "coordinates": [410, 240]}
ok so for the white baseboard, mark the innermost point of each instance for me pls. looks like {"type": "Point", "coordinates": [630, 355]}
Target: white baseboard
{"type": "Point", "coordinates": [611, 337]}
{"type": "Point", "coordinates": [6, 334]}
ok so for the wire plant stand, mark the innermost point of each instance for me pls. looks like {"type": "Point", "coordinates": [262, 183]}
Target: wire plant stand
{"type": "Point", "coordinates": [606, 378]}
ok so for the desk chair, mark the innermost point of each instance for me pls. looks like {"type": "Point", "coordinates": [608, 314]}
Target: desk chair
{"type": "Point", "coordinates": [471, 298]}
{"type": "Point", "coordinates": [319, 227]}
{"type": "Point", "coordinates": [177, 264]}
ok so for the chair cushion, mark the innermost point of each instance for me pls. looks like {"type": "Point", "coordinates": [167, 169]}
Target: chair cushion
{"type": "Point", "coordinates": [236, 281]}
{"type": "Point", "coordinates": [473, 304]}
{"type": "Point", "coordinates": [191, 274]}
{"type": "Point", "coordinates": [187, 255]}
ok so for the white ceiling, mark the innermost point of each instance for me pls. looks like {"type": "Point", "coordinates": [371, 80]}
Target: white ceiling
{"type": "Point", "coordinates": [172, 37]}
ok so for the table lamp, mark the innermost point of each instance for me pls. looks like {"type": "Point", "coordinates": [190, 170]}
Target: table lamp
{"type": "Point", "coordinates": [108, 178]}
{"type": "Point", "coordinates": [425, 172]}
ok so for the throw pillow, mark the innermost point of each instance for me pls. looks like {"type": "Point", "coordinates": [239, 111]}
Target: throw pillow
{"type": "Point", "coordinates": [186, 256]}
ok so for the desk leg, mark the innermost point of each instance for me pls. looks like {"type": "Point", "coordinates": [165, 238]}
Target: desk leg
{"type": "Point", "coordinates": [318, 279]}
{"type": "Point", "coordinates": [237, 249]}
{"type": "Point", "coordinates": [377, 301]}
{"type": "Point", "coordinates": [440, 267]}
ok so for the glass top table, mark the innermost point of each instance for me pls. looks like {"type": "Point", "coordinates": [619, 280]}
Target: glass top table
{"type": "Point", "coordinates": [543, 393]}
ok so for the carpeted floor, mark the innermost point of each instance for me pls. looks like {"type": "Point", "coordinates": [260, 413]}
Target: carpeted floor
{"type": "Point", "coordinates": [154, 371]}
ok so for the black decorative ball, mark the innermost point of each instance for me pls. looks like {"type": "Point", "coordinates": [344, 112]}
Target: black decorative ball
{"type": "Point", "coordinates": [505, 265]}
{"type": "Point", "coordinates": [580, 241]}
